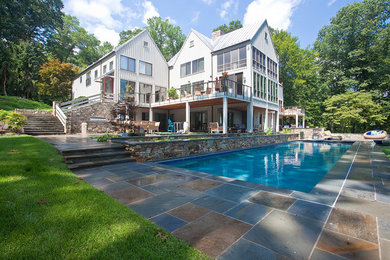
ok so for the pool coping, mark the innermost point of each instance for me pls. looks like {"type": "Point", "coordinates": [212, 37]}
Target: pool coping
{"type": "Point", "coordinates": [316, 195]}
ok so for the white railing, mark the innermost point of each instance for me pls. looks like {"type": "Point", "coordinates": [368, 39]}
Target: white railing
{"type": "Point", "coordinates": [61, 116]}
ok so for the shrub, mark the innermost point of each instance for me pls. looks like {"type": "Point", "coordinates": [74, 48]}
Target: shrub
{"type": "Point", "coordinates": [12, 119]}
{"type": "Point", "coordinates": [268, 131]}
{"type": "Point", "coordinates": [172, 93]}
{"type": "Point", "coordinates": [287, 131]}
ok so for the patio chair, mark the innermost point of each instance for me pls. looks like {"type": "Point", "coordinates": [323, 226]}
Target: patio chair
{"type": "Point", "coordinates": [154, 127]}
{"type": "Point", "coordinates": [214, 127]}
{"type": "Point", "coordinates": [198, 92]}
{"type": "Point", "coordinates": [208, 91]}
{"type": "Point", "coordinates": [171, 126]}
{"type": "Point", "coordinates": [145, 126]}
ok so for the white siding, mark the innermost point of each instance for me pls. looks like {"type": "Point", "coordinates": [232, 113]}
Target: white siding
{"type": "Point", "coordinates": [188, 54]}
{"type": "Point", "coordinates": [265, 45]}
{"type": "Point", "coordinates": [135, 49]}
{"type": "Point", "coordinates": [81, 89]}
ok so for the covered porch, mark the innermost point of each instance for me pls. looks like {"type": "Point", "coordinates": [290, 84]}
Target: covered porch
{"type": "Point", "coordinates": [292, 113]}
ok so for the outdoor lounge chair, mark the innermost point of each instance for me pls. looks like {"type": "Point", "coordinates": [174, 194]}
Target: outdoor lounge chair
{"type": "Point", "coordinates": [171, 126]}
{"type": "Point", "coordinates": [154, 127]}
{"type": "Point", "coordinates": [327, 135]}
{"type": "Point", "coordinates": [214, 127]}
{"type": "Point", "coordinates": [145, 126]}
{"type": "Point", "coordinates": [198, 92]}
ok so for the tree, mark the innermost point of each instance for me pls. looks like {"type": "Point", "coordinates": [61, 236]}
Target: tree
{"type": "Point", "coordinates": [352, 111]}
{"type": "Point", "coordinates": [354, 49]}
{"type": "Point", "coordinates": [56, 80]}
{"type": "Point", "coordinates": [126, 35]}
{"type": "Point", "coordinates": [299, 75]}
{"type": "Point", "coordinates": [72, 43]}
{"type": "Point", "coordinates": [233, 25]}
{"type": "Point", "coordinates": [168, 38]}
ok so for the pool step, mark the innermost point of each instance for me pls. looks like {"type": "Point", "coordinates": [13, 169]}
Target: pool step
{"type": "Point", "coordinates": [96, 156]}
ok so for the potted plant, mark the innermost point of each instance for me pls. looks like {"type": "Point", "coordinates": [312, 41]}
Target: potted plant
{"type": "Point", "coordinates": [172, 93]}
{"type": "Point", "coordinates": [224, 81]}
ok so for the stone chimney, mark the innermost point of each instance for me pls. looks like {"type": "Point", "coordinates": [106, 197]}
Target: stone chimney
{"type": "Point", "coordinates": [216, 34]}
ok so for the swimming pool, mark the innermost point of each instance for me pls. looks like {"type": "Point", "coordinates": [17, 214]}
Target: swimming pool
{"type": "Point", "coordinates": [294, 165]}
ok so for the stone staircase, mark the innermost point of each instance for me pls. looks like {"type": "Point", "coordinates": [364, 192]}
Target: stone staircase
{"type": "Point", "coordinates": [80, 158]}
{"type": "Point", "coordinates": [40, 122]}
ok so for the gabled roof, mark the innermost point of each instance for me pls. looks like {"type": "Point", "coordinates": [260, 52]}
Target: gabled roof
{"type": "Point", "coordinates": [206, 40]}
{"type": "Point", "coordinates": [238, 36]}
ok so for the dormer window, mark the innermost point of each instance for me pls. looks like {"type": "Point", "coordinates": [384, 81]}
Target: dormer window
{"type": "Point", "coordinates": [146, 44]}
{"type": "Point", "coordinates": [191, 44]}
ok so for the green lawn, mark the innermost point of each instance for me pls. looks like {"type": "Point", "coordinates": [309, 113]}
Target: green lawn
{"type": "Point", "coordinates": [47, 212]}
{"type": "Point", "coordinates": [386, 150]}
{"type": "Point", "coordinates": [10, 103]}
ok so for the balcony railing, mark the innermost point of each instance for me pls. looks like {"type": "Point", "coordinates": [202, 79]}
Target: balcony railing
{"type": "Point", "coordinates": [231, 66]}
{"type": "Point", "coordinates": [292, 110]}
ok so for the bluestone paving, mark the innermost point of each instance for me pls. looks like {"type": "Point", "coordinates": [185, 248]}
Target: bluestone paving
{"type": "Point", "coordinates": [248, 212]}
{"type": "Point", "coordinates": [291, 229]}
{"type": "Point", "coordinates": [347, 246]}
{"type": "Point", "coordinates": [289, 235]}
{"type": "Point", "coordinates": [245, 249]}
{"type": "Point", "coordinates": [231, 192]}
{"type": "Point", "coordinates": [217, 204]}
{"type": "Point", "coordinates": [319, 254]}
{"type": "Point", "coordinates": [189, 212]}
{"type": "Point", "coordinates": [272, 200]}
{"type": "Point", "coordinates": [168, 222]}
{"type": "Point", "coordinates": [310, 210]}
{"type": "Point", "coordinates": [164, 202]}
{"type": "Point", "coordinates": [212, 233]}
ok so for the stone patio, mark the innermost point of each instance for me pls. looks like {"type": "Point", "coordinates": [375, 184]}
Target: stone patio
{"type": "Point", "coordinates": [230, 219]}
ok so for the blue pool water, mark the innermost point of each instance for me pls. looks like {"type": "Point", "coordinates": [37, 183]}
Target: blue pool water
{"type": "Point", "coordinates": [295, 165]}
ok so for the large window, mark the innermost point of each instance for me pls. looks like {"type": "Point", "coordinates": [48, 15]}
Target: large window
{"type": "Point", "coordinates": [198, 65]}
{"type": "Point", "coordinates": [88, 80]}
{"type": "Point", "coordinates": [145, 68]}
{"type": "Point", "coordinates": [185, 69]}
{"type": "Point", "coordinates": [145, 93]}
{"type": "Point", "coordinates": [272, 91]}
{"type": "Point", "coordinates": [127, 63]}
{"type": "Point", "coordinates": [272, 68]}
{"type": "Point", "coordinates": [259, 83]}
{"type": "Point", "coordinates": [127, 88]}
{"type": "Point", "coordinates": [258, 60]}
{"type": "Point", "coordinates": [232, 59]}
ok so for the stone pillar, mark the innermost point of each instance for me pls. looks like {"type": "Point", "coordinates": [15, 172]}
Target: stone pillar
{"type": "Point", "coordinates": [266, 119]}
{"type": "Point", "coordinates": [277, 120]}
{"type": "Point", "coordinates": [188, 119]}
{"type": "Point", "coordinates": [249, 118]}
{"type": "Point", "coordinates": [150, 114]}
{"type": "Point", "coordinates": [296, 120]}
{"type": "Point", "coordinates": [303, 121]}
{"type": "Point", "coordinates": [225, 115]}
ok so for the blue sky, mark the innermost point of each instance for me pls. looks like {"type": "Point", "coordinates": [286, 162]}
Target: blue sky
{"type": "Point", "coordinates": [106, 18]}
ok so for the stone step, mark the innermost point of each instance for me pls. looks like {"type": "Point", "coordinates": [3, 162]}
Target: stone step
{"type": "Point", "coordinates": [91, 150]}
{"type": "Point", "coordinates": [96, 156]}
{"type": "Point", "coordinates": [43, 127]}
{"type": "Point", "coordinates": [45, 133]}
{"type": "Point", "coordinates": [84, 165]}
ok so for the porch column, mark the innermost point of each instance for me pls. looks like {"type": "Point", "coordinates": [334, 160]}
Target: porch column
{"type": "Point", "coordinates": [249, 118]}
{"type": "Point", "coordinates": [225, 115]}
{"type": "Point", "coordinates": [188, 120]}
{"type": "Point", "coordinates": [272, 122]}
{"type": "Point", "coordinates": [150, 114]}
{"type": "Point", "coordinates": [277, 120]}
{"type": "Point", "coordinates": [303, 121]}
{"type": "Point", "coordinates": [296, 120]}
{"type": "Point", "coordinates": [266, 119]}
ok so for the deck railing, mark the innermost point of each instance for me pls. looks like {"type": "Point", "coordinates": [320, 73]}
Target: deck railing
{"type": "Point", "coordinates": [292, 110]}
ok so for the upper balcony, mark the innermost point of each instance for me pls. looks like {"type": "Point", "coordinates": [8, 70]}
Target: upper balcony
{"type": "Point", "coordinates": [195, 92]}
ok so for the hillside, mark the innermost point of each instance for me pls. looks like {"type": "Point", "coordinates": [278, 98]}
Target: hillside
{"type": "Point", "coordinates": [9, 103]}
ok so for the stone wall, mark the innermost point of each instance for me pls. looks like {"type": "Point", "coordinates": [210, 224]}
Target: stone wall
{"type": "Point", "coordinates": [34, 112]}
{"type": "Point", "coordinates": [350, 137]}
{"type": "Point", "coordinates": [149, 151]}
{"type": "Point", "coordinates": [84, 114]}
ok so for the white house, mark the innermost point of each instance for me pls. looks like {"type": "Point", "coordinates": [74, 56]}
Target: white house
{"type": "Point", "coordinates": [230, 78]}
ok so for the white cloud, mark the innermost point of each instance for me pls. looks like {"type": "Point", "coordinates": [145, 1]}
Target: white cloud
{"type": "Point", "coordinates": [277, 12]}
{"type": "Point", "coordinates": [195, 17]}
{"type": "Point", "coordinates": [98, 11]}
{"type": "Point", "coordinates": [331, 2]}
{"type": "Point", "coordinates": [229, 6]}
{"type": "Point", "coordinates": [209, 2]}
{"type": "Point", "coordinates": [149, 11]}
{"type": "Point", "coordinates": [171, 20]}
{"type": "Point", "coordinates": [106, 35]}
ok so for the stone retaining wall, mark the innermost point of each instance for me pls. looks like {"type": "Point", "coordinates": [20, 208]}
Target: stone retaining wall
{"type": "Point", "coordinates": [84, 114]}
{"type": "Point", "coordinates": [149, 151]}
